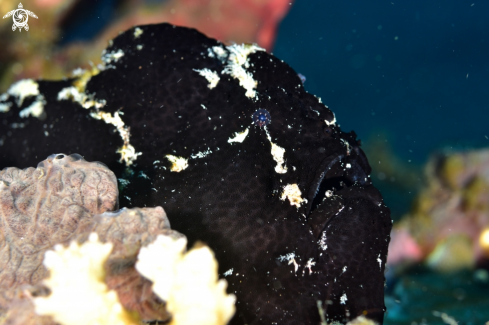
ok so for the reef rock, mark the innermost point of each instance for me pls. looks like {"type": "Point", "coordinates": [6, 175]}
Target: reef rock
{"type": "Point", "coordinates": [64, 199]}
{"type": "Point", "coordinates": [447, 225]}
{"type": "Point", "coordinates": [240, 156]}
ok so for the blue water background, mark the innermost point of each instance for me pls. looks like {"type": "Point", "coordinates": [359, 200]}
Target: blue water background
{"type": "Point", "coordinates": [417, 70]}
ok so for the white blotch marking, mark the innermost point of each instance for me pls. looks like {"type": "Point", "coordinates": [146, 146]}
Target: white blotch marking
{"type": "Point", "coordinates": [293, 193]}
{"type": "Point", "coordinates": [333, 122]}
{"type": "Point", "coordinates": [347, 144]}
{"type": "Point", "coordinates": [35, 109]}
{"type": "Point", "coordinates": [228, 272]}
{"type": "Point", "coordinates": [344, 269]}
{"type": "Point", "coordinates": [309, 265]}
{"type": "Point", "coordinates": [127, 151]}
{"type": "Point", "coordinates": [237, 63]}
{"type": "Point", "coordinates": [139, 47]}
{"type": "Point", "coordinates": [343, 299]}
{"type": "Point", "coordinates": [143, 175]}
{"type": "Point", "coordinates": [123, 182]}
{"type": "Point", "coordinates": [291, 258]}
{"type": "Point", "coordinates": [201, 154]}
{"type": "Point", "coordinates": [22, 89]}
{"type": "Point", "coordinates": [239, 136]}
{"type": "Point", "coordinates": [138, 32]}
{"type": "Point", "coordinates": [322, 241]}
{"type": "Point", "coordinates": [277, 155]}
{"type": "Point", "coordinates": [86, 101]}
{"type": "Point", "coordinates": [178, 163]}
{"type": "Point", "coordinates": [380, 261]}
{"type": "Point", "coordinates": [4, 108]}
{"type": "Point", "coordinates": [211, 76]}
{"type": "Point", "coordinates": [78, 72]}
{"type": "Point", "coordinates": [286, 257]}
{"type": "Point", "coordinates": [114, 56]}
{"type": "Point", "coordinates": [217, 51]}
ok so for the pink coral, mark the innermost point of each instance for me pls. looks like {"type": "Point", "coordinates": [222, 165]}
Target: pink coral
{"type": "Point", "coordinates": [449, 214]}
{"type": "Point", "coordinates": [64, 199]}
{"type": "Point", "coordinates": [43, 206]}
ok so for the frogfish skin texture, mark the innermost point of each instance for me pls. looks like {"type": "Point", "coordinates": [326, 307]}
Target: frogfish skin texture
{"type": "Point", "coordinates": [285, 200]}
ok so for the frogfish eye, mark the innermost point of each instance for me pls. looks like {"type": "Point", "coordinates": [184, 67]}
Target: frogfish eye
{"type": "Point", "coordinates": [261, 117]}
{"type": "Point", "coordinates": [328, 131]}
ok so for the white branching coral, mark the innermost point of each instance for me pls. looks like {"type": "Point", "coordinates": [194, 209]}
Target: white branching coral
{"type": "Point", "coordinates": [187, 282]}
{"type": "Point", "coordinates": [79, 295]}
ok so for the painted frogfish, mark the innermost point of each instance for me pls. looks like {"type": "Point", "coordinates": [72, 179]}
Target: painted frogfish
{"type": "Point", "coordinates": [241, 157]}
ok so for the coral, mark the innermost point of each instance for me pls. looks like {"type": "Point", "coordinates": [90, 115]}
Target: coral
{"type": "Point", "coordinates": [228, 193]}
{"type": "Point", "coordinates": [79, 294]}
{"type": "Point", "coordinates": [43, 206]}
{"type": "Point", "coordinates": [187, 282]}
{"type": "Point", "coordinates": [65, 199]}
{"type": "Point", "coordinates": [450, 213]}
{"type": "Point", "coordinates": [129, 230]}
{"type": "Point", "coordinates": [21, 309]}
{"type": "Point", "coordinates": [452, 253]}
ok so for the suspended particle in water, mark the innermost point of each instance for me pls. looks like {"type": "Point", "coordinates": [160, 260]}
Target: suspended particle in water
{"type": "Point", "coordinates": [261, 117]}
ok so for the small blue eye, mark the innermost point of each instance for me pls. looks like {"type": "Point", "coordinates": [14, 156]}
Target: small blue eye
{"type": "Point", "coordinates": [261, 117]}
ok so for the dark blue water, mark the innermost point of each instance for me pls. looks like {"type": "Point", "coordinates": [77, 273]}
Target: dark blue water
{"type": "Point", "coordinates": [417, 70]}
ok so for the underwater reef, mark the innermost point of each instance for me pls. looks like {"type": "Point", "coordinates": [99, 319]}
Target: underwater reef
{"type": "Point", "coordinates": [139, 273]}
{"type": "Point", "coordinates": [239, 155]}
{"type": "Point", "coordinates": [65, 199]}
{"type": "Point", "coordinates": [448, 225]}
